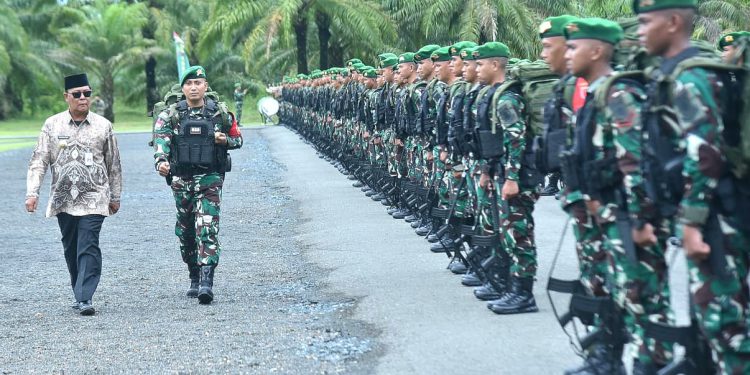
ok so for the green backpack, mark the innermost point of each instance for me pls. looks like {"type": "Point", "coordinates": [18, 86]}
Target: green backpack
{"type": "Point", "coordinates": [534, 81]}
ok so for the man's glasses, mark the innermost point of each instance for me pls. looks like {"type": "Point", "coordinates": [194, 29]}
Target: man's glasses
{"type": "Point", "coordinates": [77, 94]}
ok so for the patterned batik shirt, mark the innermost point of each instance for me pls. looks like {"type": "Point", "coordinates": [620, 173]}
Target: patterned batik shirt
{"type": "Point", "coordinates": [85, 164]}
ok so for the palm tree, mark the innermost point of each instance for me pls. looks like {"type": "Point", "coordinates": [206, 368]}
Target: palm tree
{"type": "Point", "coordinates": [281, 26]}
{"type": "Point", "coordinates": [105, 44]}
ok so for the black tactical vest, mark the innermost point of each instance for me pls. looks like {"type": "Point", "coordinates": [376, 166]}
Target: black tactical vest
{"type": "Point", "coordinates": [195, 150]}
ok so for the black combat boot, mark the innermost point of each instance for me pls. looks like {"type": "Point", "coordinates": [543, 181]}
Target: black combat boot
{"type": "Point", "coordinates": [471, 279]}
{"type": "Point", "coordinates": [205, 294]}
{"type": "Point", "coordinates": [458, 267]}
{"type": "Point", "coordinates": [195, 279]}
{"type": "Point", "coordinates": [603, 359]}
{"type": "Point", "coordinates": [425, 228]}
{"type": "Point", "coordinates": [518, 299]}
{"type": "Point", "coordinates": [487, 292]}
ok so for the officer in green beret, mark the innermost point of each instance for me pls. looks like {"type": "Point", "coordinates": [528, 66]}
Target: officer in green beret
{"type": "Point", "coordinates": [726, 43]}
{"type": "Point", "coordinates": [196, 178]}
{"type": "Point", "coordinates": [718, 288]}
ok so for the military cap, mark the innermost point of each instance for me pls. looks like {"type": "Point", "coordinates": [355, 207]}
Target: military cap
{"type": "Point", "coordinates": [407, 57]}
{"type": "Point", "coordinates": [441, 54]}
{"type": "Point", "coordinates": [460, 46]}
{"type": "Point", "coordinates": [468, 53]}
{"type": "Point", "coordinates": [388, 60]}
{"type": "Point", "coordinates": [237, 85]}
{"type": "Point", "coordinates": [301, 76]}
{"type": "Point", "coordinates": [352, 62]}
{"type": "Point", "coordinates": [555, 26]}
{"type": "Point", "coordinates": [76, 80]}
{"type": "Point", "coordinates": [425, 52]}
{"type": "Point", "coordinates": [594, 28]}
{"type": "Point", "coordinates": [645, 6]}
{"type": "Point", "coordinates": [193, 72]}
{"type": "Point", "coordinates": [370, 73]}
{"type": "Point", "coordinates": [490, 50]}
{"type": "Point", "coordinates": [356, 66]}
{"type": "Point", "coordinates": [729, 39]}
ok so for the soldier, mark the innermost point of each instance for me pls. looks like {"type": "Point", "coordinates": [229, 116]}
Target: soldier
{"type": "Point", "coordinates": [80, 148]}
{"type": "Point", "coordinates": [610, 155]}
{"type": "Point", "coordinates": [713, 239]}
{"type": "Point", "coordinates": [196, 178]}
{"type": "Point", "coordinates": [98, 105]}
{"type": "Point", "coordinates": [239, 98]}
{"type": "Point", "coordinates": [726, 43]}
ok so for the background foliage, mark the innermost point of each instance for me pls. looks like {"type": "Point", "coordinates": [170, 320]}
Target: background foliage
{"type": "Point", "coordinates": [126, 46]}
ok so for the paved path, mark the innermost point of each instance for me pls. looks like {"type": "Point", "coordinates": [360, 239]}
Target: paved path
{"type": "Point", "coordinates": [315, 278]}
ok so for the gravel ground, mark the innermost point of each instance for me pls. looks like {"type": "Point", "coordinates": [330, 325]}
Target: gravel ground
{"type": "Point", "coordinates": [273, 312]}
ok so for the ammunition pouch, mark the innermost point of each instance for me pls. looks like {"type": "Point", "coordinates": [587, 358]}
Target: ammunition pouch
{"type": "Point", "coordinates": [489, 145]}
{"type": "Point", "coordinates": [571, 170]}
{"type": "Point", "coordinates": [697, 359]}
{"type": "Point", "coordinates": [530, 176]}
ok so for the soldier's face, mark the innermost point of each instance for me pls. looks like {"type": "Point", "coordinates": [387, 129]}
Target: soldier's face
{"type": "Point", "coordinates": [578, 57]}
{"type": "Point", "coordinates": [80, 104]}
{"type": "Point", "coordinates": [425, 69]}
{"type": "Point", "coordinates": [195, 89]}
{"type": "Point", "coordinates": [457, 66]}
{"type": "Point", "coordinates": [405, 70]}
{"type": "Point", "coordinates": [655, 30]}
{"type": "Point", "coordinates": [470, 71]}
{"type": "Point", "coordinates": [727, 53]}
{"type": "Point", "coordinates": [485, 71]}
{"type": "Point", "coordinates": [553, 53]}
{"type": "Point", "coordinates": [388, 74]}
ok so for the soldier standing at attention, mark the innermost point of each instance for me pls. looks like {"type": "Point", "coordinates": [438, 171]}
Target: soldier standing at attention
{"type": "Point", "coordinates": [239, 98]}
{"type": "Point", "coordinates": [704, 223]}
{"type": "Point", "coordinates": [197, 177]}
{"type": "Point", "coordinates": [81, 150]}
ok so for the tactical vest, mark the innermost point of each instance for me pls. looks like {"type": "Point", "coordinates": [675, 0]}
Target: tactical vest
{"type": "Point", "coordinates": [456, 118]}
{"type": "Point", "coordinates": [194, 148]}
{"type": "Point", "coordinates": [557, 112]}
{"type": "Point", "coordinates": [468, 143]}
{"type": "Point", "coordinates": [489, 140]}
{"type": "Point", "coordinates": [441, 118]}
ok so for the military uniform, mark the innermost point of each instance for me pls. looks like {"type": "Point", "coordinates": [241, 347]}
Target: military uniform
{"type": "Point", "coordinates": [197, 189]}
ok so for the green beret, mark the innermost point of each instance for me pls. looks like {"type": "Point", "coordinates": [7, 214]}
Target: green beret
{"type": "Point", "coordinates": [554, 26]}
{"type": "Point", "coordinates": [237, 85]}
{"type": "Point", "coordinates": [645, 6]}
{"type": "Point", "coordinates": [441, 54]}
{"type": "Point", "coordinates": [407, 57]}
{"type": "Point", "coordinates": [356, 66]}
{"type": "Point", "coordinates": [594, 28]}
{"type": "Point", "coordinates": [301, 76]}
{"type": "Point", "coordinates": [468, 53]}
{"type": "Point", "coordinates": [370, 73]}
{"type": "Point", "coordinates": [490, 50]}
{"type": "Point", "coordinates": [729, 39]}
{"type": "Point", "coordinates": [365, 68]}
{"type": "Point", "coordinates": [425, 52]}
{"type": "Point", "coordinates": [460, 46]}
{"type": "Point", "coordinates": [193, 72]}
{"type": "Point", "coordinates": [352, 62]}
{"type": "Point", "coordinates": [388, 60]}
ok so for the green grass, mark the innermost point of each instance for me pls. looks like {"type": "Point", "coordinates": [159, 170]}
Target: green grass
{"type": "Point", "coordinates": [22, 132]}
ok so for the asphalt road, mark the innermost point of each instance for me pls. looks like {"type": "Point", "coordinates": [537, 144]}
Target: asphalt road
{"type": "Point", "coordinates": [314, 278]}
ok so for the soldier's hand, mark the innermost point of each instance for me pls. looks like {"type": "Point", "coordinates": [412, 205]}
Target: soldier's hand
{"type": "Point", "coordinates": [692, 242]}
{"type": "Point", "coordinates": [592, 206]}
{"type": "Point", "coordinates": [114, 207]}
{"type": "Point", "coordinates": [510, 189]}
{"type": "Point", "coordinates": [443, 156]}
{"type": "Point", "coordinates": [31, 204]}
{"type": "Point", "coordinates": [485, 180]}
{"type": "Point", "coordinates": [164, 169]}
{"type": "Point", "coordinates": [645, 236]}
{"type": "Point", "coordinates": [220, 138]}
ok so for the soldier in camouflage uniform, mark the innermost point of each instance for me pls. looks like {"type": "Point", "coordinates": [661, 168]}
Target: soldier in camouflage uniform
{"type": "Point", "coordinates": [719, 301]}
{"type": "Point", "coordinates": [197, 190]}
{"type": "Point", "coordinates": [614, 190]}
{"type": "Point", "coordinates": [726, 44]}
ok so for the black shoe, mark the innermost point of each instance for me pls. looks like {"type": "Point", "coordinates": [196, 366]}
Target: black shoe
{"type": "Point", "coordinates": [447, 243]}
{"type": "Point", "coordinates": [378, 197]}
{"type": "Point", "coordinates": [550, 190]}
{"type": "Point", "coordinates": [365, 189]}
{"type": "Point", "coordinates": [471, 279]}
{"type": "Point", "coordinates": [75, 305]}
{"type": "Point", "coordinates": [358, 184]}
{"type": "Point", "coordinates": [486, 292]}
{"type": "Point", "coordinates": [458, 267]}
{"type": "Point", "coordinates": [205, 292]}
{"type": "Point", "coordinates": [519, 298]}
{"type": "Point", "coordinates": [411, 218]}
{"type": "Point", "coordinates": [432, 238]}
{"type": "Point", "coordinates": [370, 193]}
{"type": "Point", "coordinates": [392, 210]}
{"type": "Point", "coordinates": [85, 308]}
{"type": "Point", "coordinates": [195, 278]}
{"type": "Point", "coordinates": [386, 202]}
{"type": "Point", "coordinates": [604, 359]}
{"type": "Point", "coordinates": [400, 214]}
{"type": "Point", "coordinates": [423, 230]}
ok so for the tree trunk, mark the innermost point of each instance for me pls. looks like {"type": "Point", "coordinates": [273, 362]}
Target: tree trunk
{"type": "Point", "coordinates": [324, 36]}
{"type": "Point", "coordinates": [300, 33]}
{"type": "Point", "coordinates": [152, 92]}
{"type": "Point", "coordinates": [336, 53]}
{"type": "Point", "coordinates": [108, 95]}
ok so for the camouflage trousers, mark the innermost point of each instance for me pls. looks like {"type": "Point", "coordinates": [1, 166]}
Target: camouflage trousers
{"type": "Point", "coordinates": [238, 109]}
{"type": "Point", "coordinates": [594, 263]}
{"type": "Point", "coordinates": [198, 201]}
{"type": "Point", "coordinates": [721, 305]}
{"type": "Point", "coordinates": [518, 232]}
{"type": "Point", "coordinates": [640, 289]}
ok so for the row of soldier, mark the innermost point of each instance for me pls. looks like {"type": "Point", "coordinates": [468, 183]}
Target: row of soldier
{"type": "Point", "coordinates": [646, 131]}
